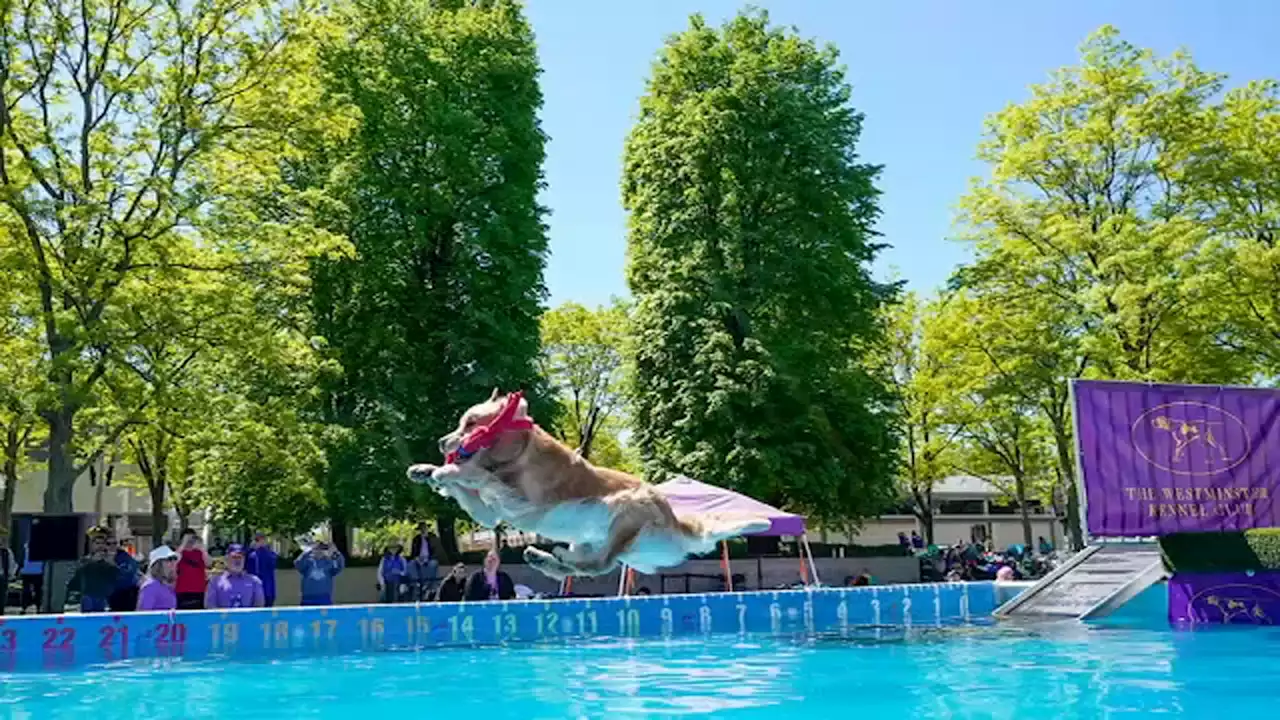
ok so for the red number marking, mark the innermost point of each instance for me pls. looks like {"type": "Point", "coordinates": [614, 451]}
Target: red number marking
{"type": "Point", "coordinates": [10, 638]}
{"type": "Point", "coordinates": [167, 633]}
{"type": "Point", "coordinates": [107, 643]}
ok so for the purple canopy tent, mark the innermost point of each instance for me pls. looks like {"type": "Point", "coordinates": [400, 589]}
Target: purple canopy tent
{"type": "Point", "coordinates": [690, 497]}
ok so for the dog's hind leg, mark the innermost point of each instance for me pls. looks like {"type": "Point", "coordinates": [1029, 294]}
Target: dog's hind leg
{"type": "Point", "coordinates": [586, 560]}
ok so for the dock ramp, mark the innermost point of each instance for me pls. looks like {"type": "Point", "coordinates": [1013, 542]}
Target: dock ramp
{"type": "Point", "coordinates": [1092, 584]}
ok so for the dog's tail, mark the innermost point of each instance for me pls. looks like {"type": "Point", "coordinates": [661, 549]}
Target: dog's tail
{"type": "Point", "coordinates": [704, 531]}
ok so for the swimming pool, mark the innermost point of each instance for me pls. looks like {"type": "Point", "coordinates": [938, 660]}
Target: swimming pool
{"type": "Point", "coordinates": [1058, 671]}
{"type": "Point", "coordinates": [738, 655]}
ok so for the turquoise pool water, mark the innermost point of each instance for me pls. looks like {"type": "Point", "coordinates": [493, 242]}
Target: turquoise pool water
{"type": "Point", "coordinates": [1059, 671]}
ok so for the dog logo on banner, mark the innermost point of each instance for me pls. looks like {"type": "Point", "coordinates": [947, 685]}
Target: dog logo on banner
{"type": "Point", "coordinates": [1235, 604]}
{"type": "Point", "coordinates": [1191, 438]}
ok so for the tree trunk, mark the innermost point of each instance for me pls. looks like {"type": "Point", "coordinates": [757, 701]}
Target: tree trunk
{"type": "Point", "coordinates": [59, 489]}
{"type": "Point", "coordinates": [1020, 491]}
{"type": "Point", "coordinates": [1075, 533]}
{"type": "Point", "coordinates": [338, 528]}
{"type": "Point", "coordinates": [448, 531]}
{"type": "Point", "coordinates": [926, 522]}
{"type": "Point", "coordinates": [159, 522]}
{"type": "Point", "coordinates": [10, 492]}
{"type": "Point", "coordinates": [589, 433]}
{"type": "Point", "coordinates": [923, 501]}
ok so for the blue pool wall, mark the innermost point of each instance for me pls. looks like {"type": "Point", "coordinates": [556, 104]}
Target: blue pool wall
{"type": "Point", "coordinates": [58, 642]}
{"type": "Point", "coordinates": [1150, 609]}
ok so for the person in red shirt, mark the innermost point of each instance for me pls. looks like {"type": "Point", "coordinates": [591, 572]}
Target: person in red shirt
{"type": "Point", "coordinates": [193, 576]}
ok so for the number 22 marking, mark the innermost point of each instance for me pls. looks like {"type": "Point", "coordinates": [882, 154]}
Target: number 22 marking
{"type": "Point", "coordinates": [52, 635]}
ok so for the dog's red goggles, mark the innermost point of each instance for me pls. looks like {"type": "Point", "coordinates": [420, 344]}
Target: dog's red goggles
{"type": "Point", "coordinates": [486, 435]}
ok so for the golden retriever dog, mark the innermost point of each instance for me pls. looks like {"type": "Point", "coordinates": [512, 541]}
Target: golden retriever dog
{"type": "Point", "coordinates": [501, 467]}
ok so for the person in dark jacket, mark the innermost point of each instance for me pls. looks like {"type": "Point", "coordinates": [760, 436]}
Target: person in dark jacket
{"type": "Point", "coordinates": [261, 561]}
{"type": "Point", "coordinates": [453, 589]}
{"type": "Point", "coordinates": [490, 583]}
{"type": "Point", "coordinates": [96, 576]}
{"type": "Point", "coordinates": [124, 598]}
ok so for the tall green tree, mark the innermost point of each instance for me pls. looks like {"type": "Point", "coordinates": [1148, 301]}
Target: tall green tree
{"type": "Point", "coordinates": [582, 360]}
{"type": "Point", "coordinates": [1001, 375]}
{"type": "Point", "coordinates": [1098, 236]}
{"type": "Point", "coordinates": [1088, 207]}
{"type": "Point", "coordinates": [1233, 170]}
{"type": "Point", "coordinates": [922, 366]}
{"type": "Point", "coordinates": [441, 301]}
{"type": "Point", "coordinates": [749, 248]}
{"type": "Point", "coordinates": [125, 127]}
{"type": "Point", "coordinates": [21, 385]}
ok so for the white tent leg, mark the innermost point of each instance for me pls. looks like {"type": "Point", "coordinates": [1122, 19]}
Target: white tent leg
{"type": "Point", "coordinates": [808, 551]}
{"type": "Point", "coordinates": [622, 580]}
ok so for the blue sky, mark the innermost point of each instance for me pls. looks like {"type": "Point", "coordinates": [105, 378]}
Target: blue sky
{"type": "Point", "coordinates": [926, 74]}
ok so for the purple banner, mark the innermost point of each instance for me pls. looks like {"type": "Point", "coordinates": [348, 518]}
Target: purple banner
{"type": "Point", "coordinates": [1235, 598]}
{"type": "Point", "coordinates": [1161, 459]}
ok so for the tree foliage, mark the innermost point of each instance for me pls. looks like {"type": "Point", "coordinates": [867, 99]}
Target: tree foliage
{"type": "Point", "coordinates": [923, 368]}
{"type": "Point", "coordinates": [749, 245]}
{"type": "Point", "coordinates": [127, 131]}
{"type": "Point", "coordinates": [582, 360]}
{"type": "Point", "coordinates": [441, 300]}
{"type": "Point", "coordinates": [1126, 230]}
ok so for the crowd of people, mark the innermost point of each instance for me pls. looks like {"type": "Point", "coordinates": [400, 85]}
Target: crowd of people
{"type": "Point", "coordinates": [185, 575]}
{"type": "Point", "coordinates": [967, 561]}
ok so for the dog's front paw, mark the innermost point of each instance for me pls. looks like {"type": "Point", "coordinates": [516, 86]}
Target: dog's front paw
{"type": "Point", "coordinates": [423, 474]}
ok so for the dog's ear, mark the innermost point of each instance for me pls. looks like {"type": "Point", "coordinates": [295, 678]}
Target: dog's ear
{"type": "Point", "coordinates": [522, 410]}
{"type": "Point", "coordinates": [494, 395]}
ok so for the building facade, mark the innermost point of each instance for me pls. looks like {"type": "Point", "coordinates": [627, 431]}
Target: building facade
{"type": "Point", "coordinates": [966, 508]}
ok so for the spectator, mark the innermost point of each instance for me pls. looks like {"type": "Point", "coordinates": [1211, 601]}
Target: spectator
{"type": "Point", "coordinates": [96, 575]}
{"type": "Point", "coordinates": [862, 579]}
{"type": "Point", "coordinates": [318, 565]}
{"type": "Point", "coordinates": [490, 583]}
{"type": "Point", "coordinates": [1005, 573]}
{"type": "Point", "coordinates": [453, 589]}
{"type": "Point", "coordinates": [234, 588]}
{"type": "Point", "coordinates": [32, 580]}
{"type": "Point", "coordinates": [125, 596]}
{"type": "Point", "coordinates": [422, 549]}
{"type": "Point", "coordinates": [193, 567]}
{"type": "Point", "coordinates": [261, 562]}
{"type": "Point", "coordinates": [157, 591]}
{"type": "Point", "coordinates": [8, 567]}
{"type": "Point", "coordinates": [904, 541]}
{"type": "Point", "coordinates": [917, 542]}
{"type": "Point", "coordinates": [1045, 546]}
{"type": "Point", "coordinates": [424, 568]}
{"type": "Point", "coordinates": [391, 572]}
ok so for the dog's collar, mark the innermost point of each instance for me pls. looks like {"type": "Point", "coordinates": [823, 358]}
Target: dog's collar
{"type": "Point", "coordinates": [486, 435]}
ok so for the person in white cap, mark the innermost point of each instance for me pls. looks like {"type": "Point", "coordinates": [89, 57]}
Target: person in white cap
{"type": "Point", "coordinates": [157, 592]}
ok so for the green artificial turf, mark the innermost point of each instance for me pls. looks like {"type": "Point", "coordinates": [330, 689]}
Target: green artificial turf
{"type": "Point", "coordinates": [1223, 552]}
